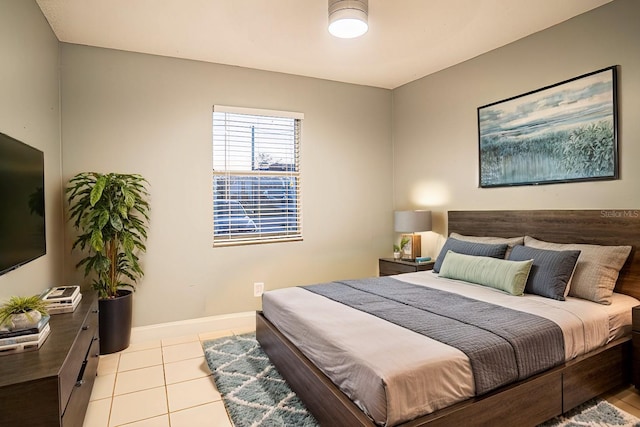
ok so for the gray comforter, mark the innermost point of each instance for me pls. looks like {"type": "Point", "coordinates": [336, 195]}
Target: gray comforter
{"type": "Point", "coordinates": [503, 345]}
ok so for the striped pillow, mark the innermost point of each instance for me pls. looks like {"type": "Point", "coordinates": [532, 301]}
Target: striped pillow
{"type": "Point", "coordinates": [505, 275]}
{"type": "Point", "coordinates": [469, 248]}
{"type": "Point", "coordinates": [550, 272]}
{"type": "Point", "coordinates": [510, 241]}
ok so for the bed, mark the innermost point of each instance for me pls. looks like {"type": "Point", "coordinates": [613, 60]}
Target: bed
{"type": "Point", "coordinates": [589, 366]}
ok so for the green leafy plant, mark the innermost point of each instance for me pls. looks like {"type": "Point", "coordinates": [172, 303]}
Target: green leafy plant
{"type": "Point", "coordinates": [396, 248]}
{"type": "Point", "coordinates": [585, 151]}
{"type": "Point", "coordinates": [404, 242]}
{"type": "Point", "coordinates": [589, 150]}
{"type": "Point", "coordinates": [112, 213]}
{"type": "Point", "coordinates": [18, 305]}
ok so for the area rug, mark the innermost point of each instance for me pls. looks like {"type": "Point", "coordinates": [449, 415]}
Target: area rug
{"type": "Point", "coordinates": [594, 413]}
{"type": "Point", "coordinates": [253, 391]}
{"type": "Point", "coordinates": [256, 395]}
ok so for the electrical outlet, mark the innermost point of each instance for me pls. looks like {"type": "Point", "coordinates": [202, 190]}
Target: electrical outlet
{"type": "Point", "coordinates": [258, 289]}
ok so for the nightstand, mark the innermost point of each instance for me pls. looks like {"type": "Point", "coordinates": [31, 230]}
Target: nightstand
{"type": "Point", "coordinates": [390, 266]}
{"type": "Point", "coordinates": [635, 340]}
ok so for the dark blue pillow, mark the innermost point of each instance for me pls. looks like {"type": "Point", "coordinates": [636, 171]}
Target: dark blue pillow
{"type": "Point", "coordinates": [469, 248]}
{"type": "Point", "coordinates": [550, 272]}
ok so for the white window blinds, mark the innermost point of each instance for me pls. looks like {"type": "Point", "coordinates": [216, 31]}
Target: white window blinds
{"type": "Point", "coordinates": [256, 176]}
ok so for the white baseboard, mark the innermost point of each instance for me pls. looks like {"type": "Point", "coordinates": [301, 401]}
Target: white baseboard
{"type": "Point", "coordinates": [236, 321]}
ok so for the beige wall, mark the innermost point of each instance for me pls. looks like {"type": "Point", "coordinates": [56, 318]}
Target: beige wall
{"type": "Point", "coordinates": [435, 140]}
{"type": "Point", "coordinates": [29, 112]}
{"type": "Point", "coordinates": [128, 112]}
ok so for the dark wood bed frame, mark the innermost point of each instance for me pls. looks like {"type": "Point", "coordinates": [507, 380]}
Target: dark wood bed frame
{"type": "Point", "coordinates": [529, 402]}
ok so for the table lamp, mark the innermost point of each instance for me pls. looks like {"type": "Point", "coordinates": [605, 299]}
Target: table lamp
{"type": "Point", "coordinates": [411, 222]}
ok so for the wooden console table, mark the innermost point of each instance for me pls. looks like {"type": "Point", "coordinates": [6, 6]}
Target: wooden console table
{"type": "Point", "coordinates": [51, 386]}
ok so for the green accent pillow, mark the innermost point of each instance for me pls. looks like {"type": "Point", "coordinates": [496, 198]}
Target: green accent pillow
{"type": "Point", "coordinates": [508, 276]}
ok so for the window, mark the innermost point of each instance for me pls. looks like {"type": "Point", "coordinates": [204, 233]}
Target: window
{"type": "Point", "coordinates": [256, 176]}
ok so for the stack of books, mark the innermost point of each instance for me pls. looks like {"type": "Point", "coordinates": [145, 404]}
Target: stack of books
{"type": "Point", "coordinates": [62, 299]}
{"type": "Point", "coordinates": [19, 340]}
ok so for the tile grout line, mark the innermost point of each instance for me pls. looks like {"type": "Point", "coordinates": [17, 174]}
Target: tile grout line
{"type": "Point", "coordinates": [629, 395]}
{"type": "Point", "coordinates": [166, 386]}
{"type": "Point", "coordinates": [113, 390]}
{"type": "Point", "coordinates": [164, 363]}
{"type": "Point", "coordinates": [212, 379]}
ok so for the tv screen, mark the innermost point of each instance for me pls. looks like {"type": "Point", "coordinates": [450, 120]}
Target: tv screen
{"type": "Point", "coordinates": [22, 231]}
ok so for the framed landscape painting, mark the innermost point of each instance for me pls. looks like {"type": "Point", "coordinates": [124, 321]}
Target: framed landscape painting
{"type": "Point", "coordinates": [561, 133]}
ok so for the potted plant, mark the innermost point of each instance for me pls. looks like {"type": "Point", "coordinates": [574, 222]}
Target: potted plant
{"type": "Point", "coordinates": [22, 312]}
{"type": "Point", "coordinates": [111, 213]}
{"type": "Point", "coordinates": [396, 252]}
{"type": "Point", "coordinates": [403, 243]}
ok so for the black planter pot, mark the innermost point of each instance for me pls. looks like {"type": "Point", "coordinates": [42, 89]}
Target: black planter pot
{"type": "Point", "coordinates": [115, 322]}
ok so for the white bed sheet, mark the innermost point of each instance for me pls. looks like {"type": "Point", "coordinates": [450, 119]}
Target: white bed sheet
{"type": "Point", "coordinates": [394, 374]}
{"type": "Point", "coordinates": [582, 321]}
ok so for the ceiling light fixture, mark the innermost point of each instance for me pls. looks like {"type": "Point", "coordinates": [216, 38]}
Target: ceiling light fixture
{"type": "Point", "coordinates": [348, 18]}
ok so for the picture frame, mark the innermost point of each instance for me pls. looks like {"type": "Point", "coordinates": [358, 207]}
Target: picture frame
{"type": "Point", "coordinates": [411, 249]}
{"type": "Point", "coordinates": [565, 132]}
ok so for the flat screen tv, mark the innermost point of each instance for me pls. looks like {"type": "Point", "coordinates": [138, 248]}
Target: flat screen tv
{"type": "Point", "coordinates": [22, 231]}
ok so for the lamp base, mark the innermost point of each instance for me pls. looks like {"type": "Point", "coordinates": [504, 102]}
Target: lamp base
{"type": "Point", "coordinates": [412, 249]}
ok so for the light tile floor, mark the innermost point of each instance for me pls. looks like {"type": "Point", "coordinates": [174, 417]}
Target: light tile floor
{"type": "Point", "coordinates": [164, 383]}
{"type": "Point", "coordinates": [167, 383]}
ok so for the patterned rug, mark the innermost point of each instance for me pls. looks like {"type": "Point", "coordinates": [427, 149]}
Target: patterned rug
{"type": "Point", "coordinates": [594, 413]}
{"type": "Point", "coordinates": [255, 394]}
{"type": "Point", "coordinates": [253, 391]}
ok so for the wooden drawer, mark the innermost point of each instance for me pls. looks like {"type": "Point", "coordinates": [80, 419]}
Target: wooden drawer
{"type": "Point", "coordinates": [635, 318]}
{"type": "Point", "coordinates": [73, 365]}
{"type": "Point", "coordinates": [635, 361]}
{"type": "Point", "coordinates": [37, 387]}
{"type": "Point", "coordinates": [595, 375]}
{"type": "Point", "coordinates": [635, 343]}
{"type": "Point", "coordinates": [81, 392]}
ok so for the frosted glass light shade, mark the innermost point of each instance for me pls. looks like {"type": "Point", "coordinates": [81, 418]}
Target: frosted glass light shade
{"type": "Point", "coordinates": [348, 27]}
{"type": "Point", "coordinates": [348, 18]}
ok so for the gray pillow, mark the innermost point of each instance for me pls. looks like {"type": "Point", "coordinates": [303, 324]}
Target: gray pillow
{"type": "Point", "coordinates": [550, 272]}
{"type": "Point", "coordinates": [469, 248]}
{"type": "Point", "coordinates": [510, 241]}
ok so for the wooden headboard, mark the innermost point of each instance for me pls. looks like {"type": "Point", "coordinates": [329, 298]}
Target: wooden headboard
{"type": "Point", "coordinates": [598, 227]}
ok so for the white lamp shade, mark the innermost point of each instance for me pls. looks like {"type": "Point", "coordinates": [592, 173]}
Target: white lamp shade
{"type": "Point", "coordinates": [412, 221]}
{"type": "Point", "coordinates": [348, 18]}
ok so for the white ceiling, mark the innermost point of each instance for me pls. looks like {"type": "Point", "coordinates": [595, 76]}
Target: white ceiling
{"type": "Point", "coordinates": [407, 39]}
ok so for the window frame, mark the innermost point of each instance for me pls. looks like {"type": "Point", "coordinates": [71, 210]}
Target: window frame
{"type": "Point", "coordinates": [249, 238]}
